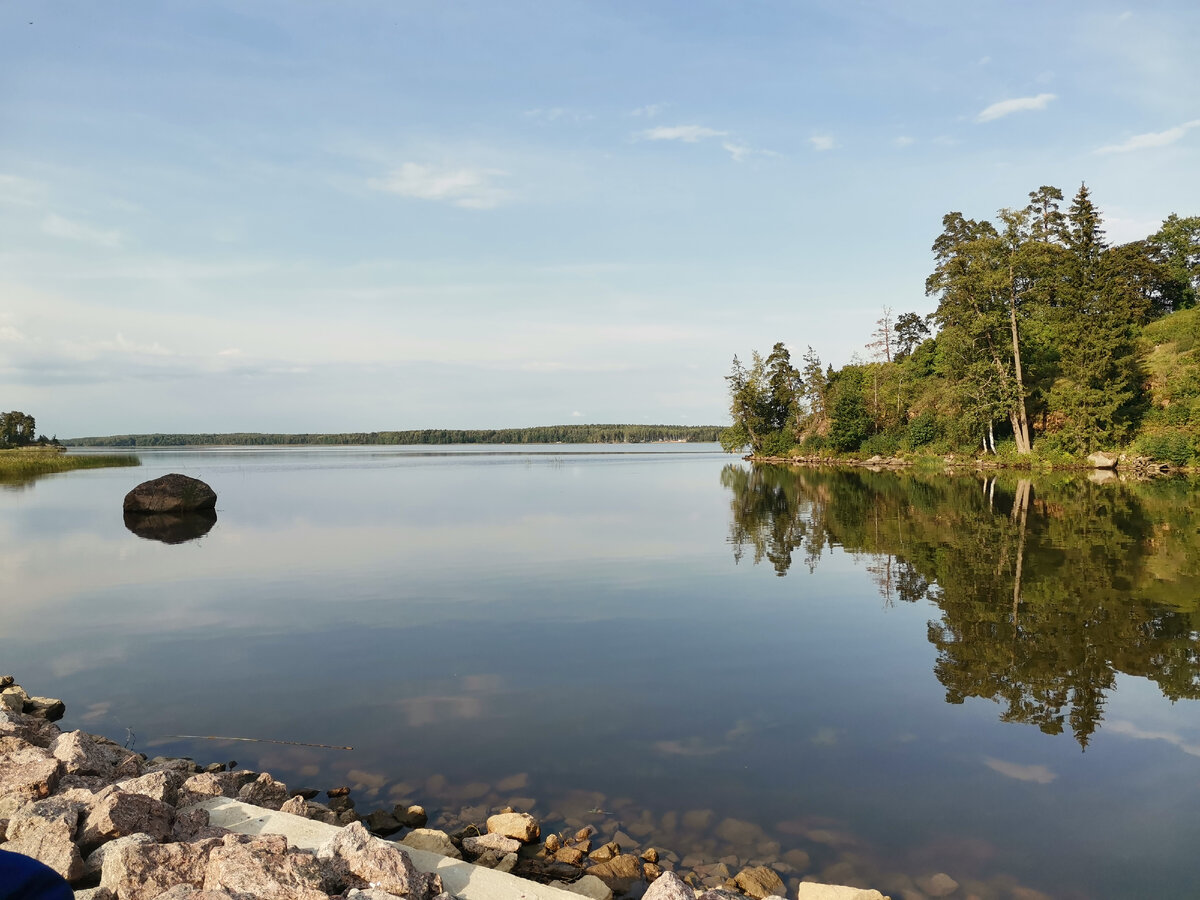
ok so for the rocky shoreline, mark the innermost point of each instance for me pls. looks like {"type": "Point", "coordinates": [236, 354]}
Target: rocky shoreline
{"type": "Point", "coordinates": [121, 826]}
{"type": "Point", "coordinates": [118, 825]}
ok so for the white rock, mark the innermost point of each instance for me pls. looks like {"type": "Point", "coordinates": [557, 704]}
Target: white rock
{"type": "Point", "coordinates": [810, 890]}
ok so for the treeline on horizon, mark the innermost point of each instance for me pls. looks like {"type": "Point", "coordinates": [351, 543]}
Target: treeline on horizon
{"type": "Point", "coordinates": [1046, 340]}
{"type": "Point", "coordinates": [542, 434]}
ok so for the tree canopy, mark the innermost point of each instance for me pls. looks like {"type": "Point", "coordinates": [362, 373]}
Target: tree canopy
{"type": "Point", "coordinates": [1040, 336]}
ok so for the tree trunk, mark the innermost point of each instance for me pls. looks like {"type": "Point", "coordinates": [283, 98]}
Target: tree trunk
{"type": "Point", "coordinates": [1020, 419]}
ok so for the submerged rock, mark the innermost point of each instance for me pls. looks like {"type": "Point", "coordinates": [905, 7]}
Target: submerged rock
{"type": "Point", "coordinates": [172, 493]}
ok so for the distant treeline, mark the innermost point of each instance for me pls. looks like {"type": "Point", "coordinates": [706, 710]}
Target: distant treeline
{"type": "Point", "coordinates": [544, 434]}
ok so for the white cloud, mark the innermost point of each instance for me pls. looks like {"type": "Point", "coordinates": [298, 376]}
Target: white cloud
{"type": "Point", "coordinates": [1151, 139]}
{"type": "Point", "coordinates": [649, 111]}
{"type": "Point", "coordinates": [822, 142]}
{"type": "Point", "coordinates": [10, 335]}
{"type": "Point", "coordinates": [1038, 774]}
{"type": "Point", "coordinates": [1016, 104]}
{"type": "Point", "coordinates": [738, 152]}
{"type": "Point", "coordinates": [57, 226]}
{"type": "Point", "coordinates": [903, 141]}
{"type": "Point", "coordinates": [577, 414]}
{"type": "Point", "coordinates": [689, 134]}
{"type": "Point", "coordinates": [468, 188]}
{"type": "Point", "coordinates": [1130, 730]}
{"type": "Point", "coordinates": [230, 351]}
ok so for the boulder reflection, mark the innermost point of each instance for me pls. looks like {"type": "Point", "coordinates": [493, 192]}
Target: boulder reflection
{"type": "Point", "coordinates": [171, 528]}
{"type": "Point", "coordinates": [1046, 589]}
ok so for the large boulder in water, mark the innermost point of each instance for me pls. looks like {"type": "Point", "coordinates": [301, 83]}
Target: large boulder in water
{"type": "Point", "coordinates": [172, 493]}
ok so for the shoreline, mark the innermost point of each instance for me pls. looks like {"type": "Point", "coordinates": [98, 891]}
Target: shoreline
{"type": "Point", "coordinates": [1117, 466]}
{"type": "Point", "coordinates": [64, 796]}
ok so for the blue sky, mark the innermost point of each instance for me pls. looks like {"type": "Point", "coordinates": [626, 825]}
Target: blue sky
{"type": "Point", "coordinates": [382, 215]}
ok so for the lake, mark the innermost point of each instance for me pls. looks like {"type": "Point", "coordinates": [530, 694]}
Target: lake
{"type": "Point", "coordinates": [862, 676]}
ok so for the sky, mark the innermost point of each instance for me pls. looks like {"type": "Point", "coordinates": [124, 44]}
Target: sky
{"type": "Point", "coordinates": [356, 215]}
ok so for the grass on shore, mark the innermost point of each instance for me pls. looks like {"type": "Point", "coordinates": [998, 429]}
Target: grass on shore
{"type": "Point", "coordinates": [19, 464]}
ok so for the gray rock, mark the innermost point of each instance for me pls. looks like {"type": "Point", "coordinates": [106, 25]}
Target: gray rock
{"type": "Point", "coordinates": [162, 786]}
{"type": "Point", "coordinates": [382, 822]}
{"type": "Point", "coordinates": [144, 871]}
{"type": "Point", "coordinates": [1099, 461]}
{"type": "Point", "coordinates": [295, 806]}
{"type": "Point", "coordinates": [264, 867]}
{"type": "Point", "coordinates": [490, 841]}
{"type": "Point", "coordinates": [170, 493]}
{"type": "Point", "coordinates": [381, 862]}
{"type": "Point", "coordinates": [433, 841]}
{"type": "Point", "coordinates": [669, 886]}
{"type": "Point", "coordinates": [587, 886]}
{"type": "Point", "coordinates": [80, 754]}
{"type": "Point", "coordinates": [95, 861]}
{"type": "Point", "coordinates": [37, 732]}
{"type": "Point", "coordinates": [264, 791]}
{"type": "Point", "coordinates": [47, 708]}
{"type": "Point", "coordinates": [26, 774]}
{"type": "Point", "coordinates": [51, 844]}
{"type": "Point", "coordinates": [119, 814]}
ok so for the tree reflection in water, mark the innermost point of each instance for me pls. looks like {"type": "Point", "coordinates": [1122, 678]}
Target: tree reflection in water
{"type": "Point", "coordinates": [1047, 587]}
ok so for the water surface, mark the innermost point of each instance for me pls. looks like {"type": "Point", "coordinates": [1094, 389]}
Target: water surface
{"type": "Point", "coordinates": [896, 674]}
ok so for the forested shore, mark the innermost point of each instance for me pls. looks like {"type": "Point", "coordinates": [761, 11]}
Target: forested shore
{"type": "Point", "coordinates": [1047, 343]}
{"type": "Point", "coordinates": [542, 434]}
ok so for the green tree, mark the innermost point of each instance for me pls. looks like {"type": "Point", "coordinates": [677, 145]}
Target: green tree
{"type": "Point", "coordinates": [1177, 244]}
{"type": "Point", "coordinates": [910, 330]}
{"type": "Point", "coordinates": [764, 403]}
{"type": "Point", "coordinates": [850, 422]}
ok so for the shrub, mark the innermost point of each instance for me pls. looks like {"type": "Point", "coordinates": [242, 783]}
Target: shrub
{"type": "Point", "coordinates": [922, 430]}
{"type": "Point", "coordinates": [1166, 446]}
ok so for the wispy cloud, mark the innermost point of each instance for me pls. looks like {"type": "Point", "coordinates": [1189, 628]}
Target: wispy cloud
{"type": "Point", "coordinates": [903, 141]}
{"type": "Point", "coordinates": [689, 134]}
{"type": "Point", "coordinates": [1016, 104]}
{"type": "Point", "coordinates": [1151, 139]}
{"type": "Point", "coordinates": [737, 152]}
{"type": "Point", "coordinates": [822, 142]}
{"type": "Point", "coordinates": [468, 188]}
{"type": "Point", "coordinates": [1128, 729]}
{"type": "Point", "coordinates": [1036, 774]}
{"type": "Point", "coordinates": [56, 226]}
{"type": "Point", "coordinates": [649, 111]}
{"type": "Point", "coordinates": [18, 191]}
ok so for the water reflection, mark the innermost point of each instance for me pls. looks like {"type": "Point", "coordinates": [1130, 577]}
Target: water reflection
{"type": "Point", "coordinates": [1047, 590]}
{"type": "Point", "coordinates": [171, 528]}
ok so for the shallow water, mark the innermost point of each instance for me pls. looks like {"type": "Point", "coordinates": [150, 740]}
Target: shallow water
{"type": "Point", "coordinates": [587, 629]}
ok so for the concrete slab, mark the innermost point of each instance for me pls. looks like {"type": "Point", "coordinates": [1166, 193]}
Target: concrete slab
{"type": "Point", "coordinates": [463, 879]}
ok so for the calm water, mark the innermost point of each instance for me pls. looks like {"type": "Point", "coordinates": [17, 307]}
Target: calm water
{"type": "Point", "coordinates": [896, 674]}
